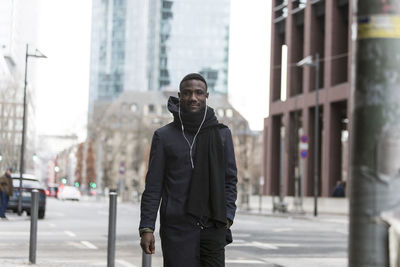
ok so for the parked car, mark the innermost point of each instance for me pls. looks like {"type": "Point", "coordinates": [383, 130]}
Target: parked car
{"type": "Point", "coordinates": [52, 190]}
{"type": "Point", "coordinates": [67, 192]}
{"type": "Point", "coordinates": [29, 182]}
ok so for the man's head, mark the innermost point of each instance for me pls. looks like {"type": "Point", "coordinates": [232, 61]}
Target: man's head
{"type": "Point", "coordinates": [193, 92]}
{"type": "Point", "coordinates": [9, 171]}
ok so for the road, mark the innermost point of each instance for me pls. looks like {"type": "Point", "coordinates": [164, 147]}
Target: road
{"type": "Point", "coordinates": [75, 234]}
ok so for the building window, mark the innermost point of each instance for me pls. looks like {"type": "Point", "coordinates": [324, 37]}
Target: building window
{"type": "Point", "coordinates": [134, 107]}
{"type": "Point", "coordinates": [229, 113]}
{"type": "Point", "coordinates": [220, 112]}
{"type": "Point", "coordinates": [152, 108]}
{"type": "Point", "coordinates": [164, 109]}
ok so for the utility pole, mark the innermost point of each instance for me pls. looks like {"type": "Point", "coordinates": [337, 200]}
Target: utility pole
{"type": "Point", "coordinates": [37, 54]}
{"type": "Point", "coordinates": [375, 151]}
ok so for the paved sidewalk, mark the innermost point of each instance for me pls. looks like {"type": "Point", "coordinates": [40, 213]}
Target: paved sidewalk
{"type": "Point", "coordinates": [325, 206]}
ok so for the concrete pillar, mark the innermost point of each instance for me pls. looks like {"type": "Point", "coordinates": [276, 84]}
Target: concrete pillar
{"type": "Point", "coordinates": [286, 149]}
{"type": "Point", "coordinates": [273, 155]}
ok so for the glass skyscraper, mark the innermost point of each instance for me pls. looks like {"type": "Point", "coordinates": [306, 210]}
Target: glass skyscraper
{"type": "Point", "coordinates": [188, 36]}
{"type": "Point", "coordinates": [150, 45]}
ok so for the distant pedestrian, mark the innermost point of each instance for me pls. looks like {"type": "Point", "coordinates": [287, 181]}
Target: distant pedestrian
{"type": "Point", "coordinates": [192, 171]}
{"type": "Point", "coordinates": [338, 190]}
{"type": "Point", "coordinates": [6, 191]}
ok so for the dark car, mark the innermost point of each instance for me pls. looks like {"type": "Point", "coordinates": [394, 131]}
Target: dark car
{"type": "Point", "coordinates": [28, 183]}
{"type": "Point", "coordinates": [52, 190]}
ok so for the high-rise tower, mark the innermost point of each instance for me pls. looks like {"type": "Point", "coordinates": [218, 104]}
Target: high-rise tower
{"type": "Point", "coordinates": [151, 44]}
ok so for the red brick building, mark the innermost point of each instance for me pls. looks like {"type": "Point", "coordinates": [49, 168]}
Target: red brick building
{"type": "Point", "coordinates": [307, 28]}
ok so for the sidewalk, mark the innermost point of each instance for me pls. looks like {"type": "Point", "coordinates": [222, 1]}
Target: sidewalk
{"type": "Point", "coordinates": [325, 206]}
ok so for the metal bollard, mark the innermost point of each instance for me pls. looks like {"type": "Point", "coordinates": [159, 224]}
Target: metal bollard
{"type": "Point", "coordinates": [34, 219]}
{"type": "Point", "coordinates": [112, 218]}
{"type": "Point", "coordinates": [146, 259]}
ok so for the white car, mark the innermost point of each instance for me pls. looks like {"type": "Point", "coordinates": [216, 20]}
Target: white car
{"type": "Point", "coordinates": [69, 193]}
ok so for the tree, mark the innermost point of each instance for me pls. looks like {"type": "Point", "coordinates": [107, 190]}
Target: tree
{"type": "Point", "coordinates": [90, 166]}
{"type": "Point", "coordinates": [79, 164]}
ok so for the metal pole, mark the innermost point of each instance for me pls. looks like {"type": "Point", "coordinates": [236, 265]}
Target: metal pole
{"type": "Point", "coordinates": [301, 183]}
{"type": "Point", "coordinates": [112, 218]}
{"type": "Point", "coordinates": [375, 135]}
{"type": "Point", "coordinates": [34, 219]}
{"type": "Point", "coordinates": [21, 164]}
{"type": "Point", "coordinates": [281, 185]}
{"type": "Point", "coordinates": [146, 259]}
{"type": "Point", "coordinates": [316, 135]}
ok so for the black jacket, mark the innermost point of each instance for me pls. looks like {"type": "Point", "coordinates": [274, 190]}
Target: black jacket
{"type": "Point", "coordinates": [169, 174]}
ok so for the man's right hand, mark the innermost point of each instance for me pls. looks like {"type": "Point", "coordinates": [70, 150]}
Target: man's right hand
{"type": "Point", "coordinates": [147, 243]}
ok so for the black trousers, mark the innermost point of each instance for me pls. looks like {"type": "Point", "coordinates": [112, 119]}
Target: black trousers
{"type": "Point", "coordinates": [212, 247]}
{"type": "Point", "coordinates": [193, 247]}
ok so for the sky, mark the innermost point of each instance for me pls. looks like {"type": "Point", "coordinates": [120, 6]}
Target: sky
{"type": "Point", "coordinates": [62, 82]}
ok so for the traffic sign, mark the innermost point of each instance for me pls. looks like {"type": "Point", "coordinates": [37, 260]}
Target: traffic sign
{"type": "Point", "coordinates": [303, 146]}
{"type": "Point", "coordinates": [122, 168]}
{"type": "Point", "coordinates": [303, 154]}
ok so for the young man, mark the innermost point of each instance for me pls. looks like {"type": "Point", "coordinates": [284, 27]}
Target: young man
{"type": "Point", "coordinates": [192, 169]}
{"type": "Point", "coordinates": [6, 190]}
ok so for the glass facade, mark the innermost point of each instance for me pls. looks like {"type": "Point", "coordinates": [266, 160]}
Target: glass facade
{"type": "Point", "coordinates": [150, 45]}
{"type": "Point", "coordinates": [190, 36]}
{"type": "Point", "coordinates": [107, 50]}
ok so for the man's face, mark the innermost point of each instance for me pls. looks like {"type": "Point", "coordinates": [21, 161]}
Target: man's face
{"type": "Point", "coordinates": [193, 95]}
{"type": "Point", "coordinates": [8, 172]}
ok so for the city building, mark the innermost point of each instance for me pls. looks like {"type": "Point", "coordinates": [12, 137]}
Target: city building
{"type": "Point", "coordinates": [122, 140]}
{"type": "Point", "coordinates": [18, 23]}
{"type": "Point", "coordinates": [301, 29]}
{"type": "Point", "coordinates": [188, 36]}
{"type": "Point", "coordinates": [150, 45]}
{"type": "Point", "coordinates": [62, 146]}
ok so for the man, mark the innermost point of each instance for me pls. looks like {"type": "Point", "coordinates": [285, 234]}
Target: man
{"type": "Point", "coordinates": [192, 169]}
{"type": "Point", "coordinates": [6, 190]}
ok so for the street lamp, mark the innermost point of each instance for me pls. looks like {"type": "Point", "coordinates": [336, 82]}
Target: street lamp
{"type": "Point", "coordinates": [37, 54]}
{"type": "Point", "coordinates": [308, 61]}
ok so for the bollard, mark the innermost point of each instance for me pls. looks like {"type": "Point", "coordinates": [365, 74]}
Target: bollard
{"type": "Point", "coordinates": [112, 218]}
{"type": "Point", "coordinates": [146, 259]}
{"type": "Point", "coordinates": [34, 219]}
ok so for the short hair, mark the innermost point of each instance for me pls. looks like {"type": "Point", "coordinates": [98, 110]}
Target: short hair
{"type": "Point", "coordinates": [193, 76]}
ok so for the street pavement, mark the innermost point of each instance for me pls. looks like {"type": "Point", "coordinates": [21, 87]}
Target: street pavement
{"type": "Point", "coordinates": [75, 234]}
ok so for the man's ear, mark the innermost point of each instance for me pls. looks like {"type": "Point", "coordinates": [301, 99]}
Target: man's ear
{"type": "Point", "coordinates": [179, 94]}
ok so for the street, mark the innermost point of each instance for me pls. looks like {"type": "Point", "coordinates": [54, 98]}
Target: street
{"type": "Point", "coordinates": [75, 234]}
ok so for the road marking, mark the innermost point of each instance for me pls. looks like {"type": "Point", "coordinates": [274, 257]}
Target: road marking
{"type": "Point", "coordinates": [245, 261]}
{"type": "Point", "coordinates": [125, 263]}
{"type": "Point", "coordinates": [75, 244]}
{"type": "Point", "coordinates": [307, 261]}
{"type": "Point", "coordinates": [20, 233]}
{"type": "Point", "coordinates": [88, 244]}
{"type": "Point", "coordinates": [69, 233]}
{"type": "Point", "coordinates": [255, 244]}
{"type": "Point", "coordinates": [278, 230]}
{"type": "Point", "coordinates": [286, 245]}
{"type": "Point", "coordinates": [261, 245]}
{"type": "Point", "coordinates": [241, 235]}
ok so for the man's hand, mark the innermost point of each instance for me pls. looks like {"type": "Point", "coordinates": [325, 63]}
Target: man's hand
{"type": "Point", "coordinates": [147, 243]}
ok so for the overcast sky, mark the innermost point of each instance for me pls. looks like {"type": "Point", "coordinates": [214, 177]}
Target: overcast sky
{"type": "Point", "coordinates": [63, 78]}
